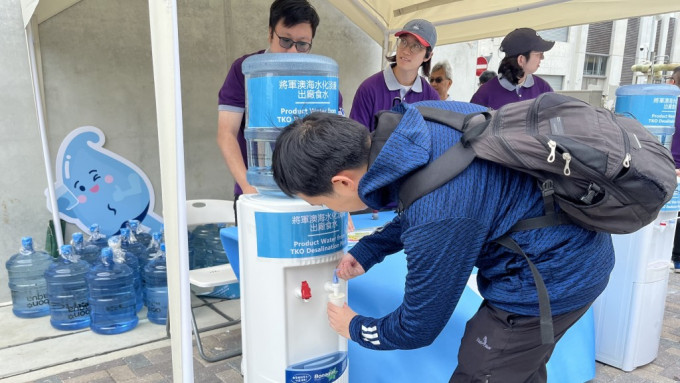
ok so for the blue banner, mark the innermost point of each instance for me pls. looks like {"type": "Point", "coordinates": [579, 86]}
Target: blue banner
{"type": "Point", "coordinates": [300, 234]}
{"type": "Point", "coordinates": [275, 101]}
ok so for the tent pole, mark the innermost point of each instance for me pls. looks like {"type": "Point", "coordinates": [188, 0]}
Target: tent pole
{"type": "Point", "coordinates": [37, 98]}
{"type": "Point", "coordinates": [166, 70]}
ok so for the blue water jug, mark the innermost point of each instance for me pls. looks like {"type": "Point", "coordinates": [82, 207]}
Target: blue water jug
{"type": "Point", "coordinates": [86, 251]}
{"type": "Point", "coordinates": [156, 288]}
{"type": "Point", "coordinates": [139, 235]}
{"type": "Point", "coordinates": [67, 291]}
{"type": "Point", "coordinates": [129, 243]}
{"type": "Point", "coordinates": [112, 296]}
{"type": "Point", "coordinates": [97, 238]}
{"type": "Point", "coordinates": [280, 88]}
{"type": "Point", "coordinates": [122, 256]}
{"type": "Point", "coordinates": [26, 271]}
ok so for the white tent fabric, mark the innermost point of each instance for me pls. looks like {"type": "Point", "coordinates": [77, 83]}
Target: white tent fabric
{"type": "Point", "coordinates": [467, 20]}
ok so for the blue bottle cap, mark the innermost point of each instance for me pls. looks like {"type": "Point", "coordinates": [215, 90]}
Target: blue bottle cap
{"type": "Point", "coordinates": [67, 249]}
{"type": "Point", "coordinates": [157, 236]}
{"type": "Point", "coordinates": [77, 237]}
{"type": "Point", "coordinates": [27, 241]}
{"type": "Point", "coordinates": [125, 232]}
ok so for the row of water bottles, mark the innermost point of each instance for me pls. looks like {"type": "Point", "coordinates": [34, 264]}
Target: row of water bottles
{"type": "Point", "coordinates": [88, 285]}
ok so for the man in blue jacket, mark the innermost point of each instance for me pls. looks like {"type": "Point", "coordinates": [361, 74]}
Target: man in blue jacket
{"type": "Point", "coordinates": [323, 159]}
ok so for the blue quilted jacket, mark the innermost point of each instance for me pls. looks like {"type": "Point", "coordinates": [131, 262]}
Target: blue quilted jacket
{"type": "Point", "coordinates": [447, 232]}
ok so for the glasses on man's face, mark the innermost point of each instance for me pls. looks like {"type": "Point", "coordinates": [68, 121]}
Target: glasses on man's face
{"type": "Point", "coordinates": [300, 46]}
{"type": "Point", "coordinates": [415, 47]}
{"type": "Point", "coordinates": [437, 80]}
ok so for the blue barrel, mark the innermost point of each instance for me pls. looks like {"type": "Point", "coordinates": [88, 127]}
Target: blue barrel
{"type": "Point", "coordinates": [67, 291]}
{"type": "Point", "coordinates": [87, 251]}
{"type": "Point", "coordinates": [156, 288]}
{"type": "Point", "coordinates": [281, 87]}
{"type": "Point", "coordinates": [112, 296]}
{"type": "Point", "coordinates": [653, 105]}
{"type": "Point", "coordinates": [27, 284]}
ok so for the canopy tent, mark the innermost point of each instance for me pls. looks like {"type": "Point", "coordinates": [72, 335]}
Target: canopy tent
{"type": "Point", "coordinates": [468, 20]}
{"type": "Point", "coordinates": [456, 21]}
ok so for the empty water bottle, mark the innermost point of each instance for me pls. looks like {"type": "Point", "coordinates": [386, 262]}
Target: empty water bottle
{"type": "Point", "coordinates": [26, 271]}
{"type": "Point", "coordinates": [85, 250]}
{"type": "Point", "coordinates": [112, 296]}
{"type": "Point", "coordinates": [136, 230]}
{"type": "Point", "coordinates": [67, 291]}
{"type": "Point", "coordinates": [122, 256]}
{"type": "Point", "coordinates": [156, 288]}
{"type": "Point", "coordinates": [96, 238]}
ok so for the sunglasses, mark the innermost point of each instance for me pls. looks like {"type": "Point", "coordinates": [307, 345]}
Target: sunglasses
{"type": "Point", "coordinates": [300, 46]}
{"type": "Point", "coordinates": [437, 80]}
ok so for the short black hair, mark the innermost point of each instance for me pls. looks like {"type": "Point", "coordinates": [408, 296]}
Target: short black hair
{"type": "Point", "coordinates": [312, 150]}
{"type": "Point", "coordinates": [292, 12]}
{"type": "Point", "coordinates": [486, 76]}
{"type": "Point", "coordinates": [509, 68]}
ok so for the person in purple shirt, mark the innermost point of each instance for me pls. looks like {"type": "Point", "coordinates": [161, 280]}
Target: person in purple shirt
{"type": "Point", "coordinates": [292, 26]}
{"type": "Point", "coordinates": [400, 80]}
{"type": "Point", "coordinates": [516, 81]}
{"type": "Point", "coordinates": [675, 150]}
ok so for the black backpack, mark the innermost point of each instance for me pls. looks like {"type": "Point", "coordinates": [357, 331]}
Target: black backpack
{"type": "Point", "coordinates": [606, 173]}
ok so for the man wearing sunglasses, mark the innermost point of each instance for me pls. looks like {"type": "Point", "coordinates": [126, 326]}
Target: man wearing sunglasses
{"type": "Point", "coordinates": [441, 79]}
{"type": "Point", "coordinates": [292, 26]}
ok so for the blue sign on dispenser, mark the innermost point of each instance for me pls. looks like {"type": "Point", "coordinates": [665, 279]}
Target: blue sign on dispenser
{"type": "Point", "coordinates": [300, 234]}
{"type": "Point", "coordinates": [650, 104]}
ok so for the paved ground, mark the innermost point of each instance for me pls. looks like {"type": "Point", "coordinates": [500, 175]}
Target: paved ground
{"type": "Point", "coordinates": [155, 365]}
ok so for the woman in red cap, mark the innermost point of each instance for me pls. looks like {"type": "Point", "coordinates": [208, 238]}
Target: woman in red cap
{"type": "Point", "coordinates": [400, 80]}
{"type": "Point", "coordinates": [523, 49]}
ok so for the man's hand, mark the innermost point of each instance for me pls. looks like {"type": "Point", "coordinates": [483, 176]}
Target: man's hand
{"type": "Point", "coordinates": [248, 189]}
{"type": "Point", "coordinates": [339, 318]}
{"type": "Point", "coordinates": [349, 268]}
{"type": "Point", "coordinates": [677, 172]}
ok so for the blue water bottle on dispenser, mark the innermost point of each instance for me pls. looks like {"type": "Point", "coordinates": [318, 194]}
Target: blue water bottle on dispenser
{"type": "Point", "coordinates": [112, 296]}
{"type": "Point", "coordinates": [86, 251]}
{"type": "Point", "coordinates": [67, 291]}
{"type": "Point", "coordinates": [156, 288]}
{"type": "Point", "coordinates": [26, 271]}
{"type": "Point", "coordinates": [281, 87]}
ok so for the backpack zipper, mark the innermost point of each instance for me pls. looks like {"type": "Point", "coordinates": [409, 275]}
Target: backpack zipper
{"type": "Point", "coordinates": [626, 145]}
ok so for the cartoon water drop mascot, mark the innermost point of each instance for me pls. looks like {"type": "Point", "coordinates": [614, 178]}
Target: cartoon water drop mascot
{"type": "Point", "coordinates": [95, 185]}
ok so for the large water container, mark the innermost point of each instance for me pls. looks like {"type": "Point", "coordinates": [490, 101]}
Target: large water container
{"type": "Point", "coordinates": [140, 235]}
{"type": "Point", "coordinates": [67, 291]}
{"type": "Point", "coordinates": [121, 255]}
{"type": "Point", "coordinates": [281, 87]}
{"type": "Point", "coordinates": [86, 251]}
{"type": "Point", "coordinates": [26, 271]}
{"type": "Point", "coordinates": [653, 105]}
{"type": "Point", "coordinates": [112, 296]}
{"type": "Point", "coordinates": [156, 288]}
{"type": "Point", "coordinates": [97, 238]}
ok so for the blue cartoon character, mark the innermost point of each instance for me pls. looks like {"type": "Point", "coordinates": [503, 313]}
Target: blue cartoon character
{"type": "Point", "coordinates": [95, 185]}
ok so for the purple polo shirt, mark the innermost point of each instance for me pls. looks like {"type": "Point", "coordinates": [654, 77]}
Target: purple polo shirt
{"type": "Point", "coordinates": [499, 91]}
{"type": "Point", "coordinates": [382, 91]}
{"type": "Point", "coordinates": [232, 98]}
{"type": "Point", "coordinates": [675, 145]}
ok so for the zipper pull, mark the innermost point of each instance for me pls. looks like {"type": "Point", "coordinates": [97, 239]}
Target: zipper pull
{"type": "Point", "coordinates": [626, 161]}
{"type": "Point", "coordinates": [567, 158]}
{"type": "Point", "coordinates": [553, 145]}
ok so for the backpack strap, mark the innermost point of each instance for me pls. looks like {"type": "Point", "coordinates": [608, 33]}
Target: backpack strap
{"type": "Point", "coordinates": [547, 331]}
{"type": "Point", "coordinates": [456, 159]}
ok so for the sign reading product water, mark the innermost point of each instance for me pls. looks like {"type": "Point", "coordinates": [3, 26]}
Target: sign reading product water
{"type": "Point", "coordinates": [300, 234]}
{"type": "Point", "coordinates": [275, 101]}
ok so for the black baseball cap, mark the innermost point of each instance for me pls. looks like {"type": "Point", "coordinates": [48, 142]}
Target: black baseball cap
{"type": "Point", "coordinates": [524, 40]}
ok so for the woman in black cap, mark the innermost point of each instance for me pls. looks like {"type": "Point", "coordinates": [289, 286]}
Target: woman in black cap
{"type": "Point", "coordinates": [523, 49]}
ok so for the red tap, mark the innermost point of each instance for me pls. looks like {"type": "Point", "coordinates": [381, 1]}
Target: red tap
{"type": "Point", "coordinates": [305, 291]}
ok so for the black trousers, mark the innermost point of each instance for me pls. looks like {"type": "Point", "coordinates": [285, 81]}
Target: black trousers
{"type": "Point", "coordinates": [499, 346]}
{"type": "Point", "coordinates": [675, 255]}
